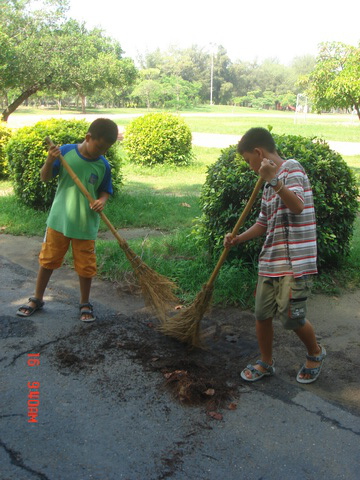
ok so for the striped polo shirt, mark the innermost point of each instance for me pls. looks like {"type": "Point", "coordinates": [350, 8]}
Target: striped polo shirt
{"type": "Point", "coordinates": [290, 244]}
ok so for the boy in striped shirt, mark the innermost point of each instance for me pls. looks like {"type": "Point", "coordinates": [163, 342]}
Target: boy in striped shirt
{"type": "Point", "coordinates": [288, 256]}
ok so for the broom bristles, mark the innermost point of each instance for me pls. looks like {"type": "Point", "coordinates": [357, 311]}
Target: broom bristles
{"type": "Point", "coordinates": [157, 290]}
{"type": "Point", "coordinates": [185, 326]}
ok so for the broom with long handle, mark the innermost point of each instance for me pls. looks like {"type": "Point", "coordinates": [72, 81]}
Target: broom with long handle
{"type": "Point", "coordinates": [185, 326]}
{"type": "Point", "coordinates": [157, 290]}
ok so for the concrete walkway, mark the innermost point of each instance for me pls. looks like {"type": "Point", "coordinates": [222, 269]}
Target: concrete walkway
{"type": "Point", "coordinates": [216, 140]}
{"type": "Point", "coordinates": [212, 140]}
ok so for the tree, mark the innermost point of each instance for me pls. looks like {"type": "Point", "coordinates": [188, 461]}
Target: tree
{"type": "Point", "coordinates": [335, 81]}
{"type": "Point", "coordinates": [86, 61]}
{"type": "Point", "coordinates": [148, 92]}
{"type": "Point", "coordinates": [26, 40]}
{"type": "Point", "coordinates": [226, 93]}
{"type": "Point", "coordinates": [178, 93]}
{"type": "Point", "coordinates": [303, 65]}
{"type": "Point", "coordinates": [49, 53]}
{"type": "Point", "coordinates": [221, 73]}
{"type": "Point", "coordinates": [241, 77]}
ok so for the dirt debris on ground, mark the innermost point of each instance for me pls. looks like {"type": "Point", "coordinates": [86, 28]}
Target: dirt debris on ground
{"type": "Point", "coordinates": [204, 377]}
{"type": "Point", "coordinates": [208, 376]}
{"type": "Point", "coordinates": [229, 333]}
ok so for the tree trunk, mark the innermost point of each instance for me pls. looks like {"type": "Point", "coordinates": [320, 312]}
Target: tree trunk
{"type": "Point", "coordinates": [15, 104]}
{"type": "Point", "coordinates": [83, 103]}
{"type": "Point", "coordinates": [357, 108]}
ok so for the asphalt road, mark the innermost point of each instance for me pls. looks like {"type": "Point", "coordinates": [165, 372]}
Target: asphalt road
{"type": "Point", "coordinates": [103, 415]}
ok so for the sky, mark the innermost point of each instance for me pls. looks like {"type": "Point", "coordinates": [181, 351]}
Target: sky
{"type": "Point", "coordinates": [248, 30]}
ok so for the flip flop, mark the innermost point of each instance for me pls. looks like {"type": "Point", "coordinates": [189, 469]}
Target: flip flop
{"type": "Point", "coordinates": [30, 310]}
{"type": "Point", "coordinates": [315, 371]}
{"type": "Point", "coordinates": [87, 309]}
{"type": "Point", "coordinates": [257, 374]}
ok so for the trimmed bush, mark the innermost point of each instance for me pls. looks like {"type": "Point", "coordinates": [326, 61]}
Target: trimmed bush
{"type": "Point", "coordinates": [229, 184]}
{"type": "Point", "coordinates": [27, 151]}
{"type": "Point", "coordinates": [5, 134]}
{"type": "Point", "coordinates": [158, 138]}
{"type": "Point", "coordinates": [226, 190]}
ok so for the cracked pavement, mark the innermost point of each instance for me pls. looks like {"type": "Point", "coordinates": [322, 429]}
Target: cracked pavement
{"type": "Point", "coordinates": [105, 413]}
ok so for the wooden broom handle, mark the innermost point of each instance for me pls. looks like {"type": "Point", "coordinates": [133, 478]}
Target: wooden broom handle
{"type": "Point", "coordinates": [83, 189]}
{"type": "Point", "coordinates": [239, 223]}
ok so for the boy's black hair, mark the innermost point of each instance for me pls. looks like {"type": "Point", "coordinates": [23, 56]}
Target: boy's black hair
{"type": "Point", "coordinates": [104, 128]}
{"type": "Point", "coordinates": [256, 138]}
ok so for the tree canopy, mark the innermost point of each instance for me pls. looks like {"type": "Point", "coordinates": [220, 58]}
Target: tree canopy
{"type": "Point", "coordinates": [335, 80]}
{"type": "Point", "coordinates": [46, 56]}
{"type": "Point", "coordinates": [39, 50]}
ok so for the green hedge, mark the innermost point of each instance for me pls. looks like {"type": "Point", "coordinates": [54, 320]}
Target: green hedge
{"type": "Point", "coordinates": [5, 134]}
{"type": "Point", "coordinates": [26, 152]}
{"type": "Point", "coordinates": [229, 184]}
{"type": "Point", "coordinates": [158, 138]}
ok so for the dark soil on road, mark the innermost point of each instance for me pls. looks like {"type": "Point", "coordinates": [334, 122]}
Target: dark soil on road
{"type": "Point", "coordinates": [208, 376]}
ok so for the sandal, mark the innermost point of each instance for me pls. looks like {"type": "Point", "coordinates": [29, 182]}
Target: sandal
{"type": "Point", "coordinates": [30, 310]}
{"type": "Point", "coordinates": [315, 371]}
{"type": "Point", "coordinates": [257, 374]}
{"type": "Point", "coordinates": [87, 309]}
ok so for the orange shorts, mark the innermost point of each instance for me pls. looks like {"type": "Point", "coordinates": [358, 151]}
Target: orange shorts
{"type": "Point", "coordinates": [55, 246]}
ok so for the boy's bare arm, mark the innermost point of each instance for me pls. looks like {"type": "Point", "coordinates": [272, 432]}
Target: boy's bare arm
{"type": "Point", "coordinates": [253, 232]}
{"type": "Point", "coordinates": [46, 172]}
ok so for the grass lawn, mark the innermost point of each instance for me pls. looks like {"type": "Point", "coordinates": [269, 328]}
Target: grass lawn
{"type": "Point", "coordinates": [336, 128]}
{"type": "Point", "coordinates": [234, 120]}
{"type": "Point", "coordinates": [168, 199]}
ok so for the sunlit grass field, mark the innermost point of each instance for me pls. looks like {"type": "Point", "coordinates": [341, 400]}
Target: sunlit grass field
{"type": "Point", "coordinates": [235, 120]}
{"type": "Point", "coordinates": [167, 199]}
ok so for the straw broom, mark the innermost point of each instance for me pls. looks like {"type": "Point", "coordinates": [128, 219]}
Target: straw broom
{"type": "Point", "coordinates": [185, 326]}
{"type": "Point", "coordinates": [157, 290]}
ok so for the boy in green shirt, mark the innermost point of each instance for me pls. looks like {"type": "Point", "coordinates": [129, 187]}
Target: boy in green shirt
{"type": "Point", "coordinates": [71, 218]}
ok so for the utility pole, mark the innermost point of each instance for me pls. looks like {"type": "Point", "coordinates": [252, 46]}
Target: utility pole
{"type": "Point", "coordinates": [212, 46]}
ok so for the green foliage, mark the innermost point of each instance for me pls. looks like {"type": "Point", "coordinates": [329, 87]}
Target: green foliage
{"type": "Point", "coordinates": [227, 188]}
{"type": "Point", "coordinates": [335, 81]}
{"type": "Point", "coordinates": [26, 152]}
{"type": "Point", "coordinates": [179, 259]}
{"type": "Point", "coordinates": [5, 134]}
{"type": "Point", "coordinates": [230, 182]}
{"type": "Point", "coordinates": [42, 51]}
{"type": "Point", "coordinates": [158, 138]}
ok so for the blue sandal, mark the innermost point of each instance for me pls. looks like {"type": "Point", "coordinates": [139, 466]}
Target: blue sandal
{"type": "Point", "coordinates": [87, 312]}
{"type": "Point", "coordinates": [30, 310]}
{"type": "Point", "coordinates": [257, 374]}
{"type": "Point", "coordinates": [315, 371]}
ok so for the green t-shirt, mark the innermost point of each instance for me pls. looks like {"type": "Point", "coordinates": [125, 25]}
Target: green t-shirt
{"type": "Point", "coordinates": [70, 212]}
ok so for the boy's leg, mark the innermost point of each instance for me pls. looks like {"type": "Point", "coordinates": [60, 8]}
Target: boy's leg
{"type": "Point", "coordinates": [293, 316]}
{"type": "Point", "coordinates": [85, 266]}
{"type": "Point", "coordinates": [265, 335]}
{"type": "Point", "coordinates": [307, 336]}
{"type": "Point", "coordinates": [265, 308]}
{"type": "Point", "coordinates": [85, 287]}
{"type": "Point", "coordinates": [42, 281]}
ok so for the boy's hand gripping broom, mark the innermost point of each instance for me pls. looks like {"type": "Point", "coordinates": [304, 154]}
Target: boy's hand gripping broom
{"type": "Point", "coordinates": [185, 326]}
{"type": "Point", "coordinates": [157, 289]}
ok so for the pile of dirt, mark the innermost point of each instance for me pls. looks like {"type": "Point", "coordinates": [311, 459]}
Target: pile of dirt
{"type": "Point", "coordinates": [201, 377]}
{"type": "Point", "coordinates": [209, 377]}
